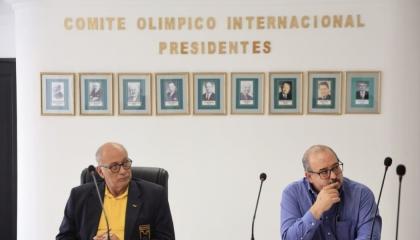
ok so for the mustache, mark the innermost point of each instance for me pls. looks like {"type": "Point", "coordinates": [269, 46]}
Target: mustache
{"type": "Point", "coordinates": [333, 180]}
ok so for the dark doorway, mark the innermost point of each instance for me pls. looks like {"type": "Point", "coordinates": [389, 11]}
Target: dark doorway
{"type": "Point", "coordinates": [8, 155]}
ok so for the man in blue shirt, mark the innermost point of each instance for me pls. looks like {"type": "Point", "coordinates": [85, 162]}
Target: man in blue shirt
{"type": "Point", "coordinates": [326, 205]}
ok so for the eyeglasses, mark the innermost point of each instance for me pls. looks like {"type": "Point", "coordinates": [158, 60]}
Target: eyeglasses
{"type": "Point", "coordinates": [115, 167]}
{"type": "Point", "coordinates": [326, 173]}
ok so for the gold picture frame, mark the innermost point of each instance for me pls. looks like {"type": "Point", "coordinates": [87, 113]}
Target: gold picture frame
{"type": "Point", "coordinates": [172, 93]}
{"type": "Point", "coordinates": [96, 93]}
{"type": "Point", "coordinates": [135, 93]}
{"type": "Point", "coordinates": [325, 92]}
{"type": "Point", "coordinates": [209, 90]}
{"type": "Point", "coordinates": [286, 93]}
{"type": "Point", "coordinates": [247, 92]}
{"type": "Point", "coordinates": [57, 93]}
{"type": "Point", "coordinates": [363, 92]}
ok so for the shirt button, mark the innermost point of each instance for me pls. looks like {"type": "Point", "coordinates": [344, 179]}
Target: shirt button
{"type": "Point", "coordinates": [312, 223]}
{"type": "Point", "coordinates": [329, 233]}
{"type": "Point", "coordinates": [326, 218]}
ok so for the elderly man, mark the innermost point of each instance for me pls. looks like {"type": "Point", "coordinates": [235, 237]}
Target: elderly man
{"type": "Point", "coordinates": [96, 92]}
{"type": "Point", "coordinates": [324, 91]}
{"type": "Point", "coordinates": [363, 92]}
{"type": "Point", "coordinates": [246, 90]}
{"type": "Point", "coordinates": [285, 91]}
{"type": "Point", "coordinates": [172, 93]}
{"type": "Point", "coordinates": [209, 94]}
{"type": "Point", "coordinates": [135, 209]}
{"type": "Point", "coordinates": [326, 205]}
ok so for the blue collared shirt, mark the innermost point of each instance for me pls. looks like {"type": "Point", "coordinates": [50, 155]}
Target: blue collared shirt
{"type": "Point", "coordinates": [350, 219]}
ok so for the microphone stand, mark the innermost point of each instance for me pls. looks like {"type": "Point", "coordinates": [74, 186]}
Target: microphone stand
{"type": "Point", "coordinates": [377, 206]}
{"type": "Point", "coordinates": [387, 163]}
{"type": "Point", "coordinates": [102, 203]}
{"type": "Point", "coordinates": [263, 176]}
{"type": "Point", "coordinates": [398, 209]}
{"type": "Point", "coordinates": [400, 172]}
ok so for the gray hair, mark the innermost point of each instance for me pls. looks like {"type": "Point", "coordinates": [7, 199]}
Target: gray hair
{"type": "Point", "coordinates": [99, 152]}
{"type": "Point", "coordinates": [314, 149]}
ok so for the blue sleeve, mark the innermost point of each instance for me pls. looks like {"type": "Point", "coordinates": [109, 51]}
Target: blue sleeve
{"type": "Point", "coordinates": [293, 224]}
{"type": "Point", "coordinates": [366, 217]}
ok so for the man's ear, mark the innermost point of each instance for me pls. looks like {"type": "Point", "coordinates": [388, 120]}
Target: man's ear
{"type": "Point", "coordinates": [99, 170]}
{"type": "Point", "coordinates": [308, 176]}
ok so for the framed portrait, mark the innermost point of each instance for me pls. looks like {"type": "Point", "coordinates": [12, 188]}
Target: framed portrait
{"type": "Point", "coordinates": [134, 93]}
{"type": "Point", "coordinates": [324, 96]}
{"type": "Point", "coordinates": [247, 93]}
{"type": "Point", "coordinates": [209, 93]}
{"type": "Point", "coordinates": [286, 92]}
{"type": "Point", "coordinates": [96, 94]}
{"type": "Point", "coordinates": [363, 92]}
{"type": "Point", "coordinates": [57, 93]}
{"type": "Point", "coordinates": [172, 93]}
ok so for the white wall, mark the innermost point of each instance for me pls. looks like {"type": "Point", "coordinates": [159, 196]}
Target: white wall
{"type": "Point", "coordinates": [214, 161]}
{"type": "Point", "coordinates": [7, 31]}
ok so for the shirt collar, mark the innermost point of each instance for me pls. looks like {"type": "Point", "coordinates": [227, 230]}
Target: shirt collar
{"type": "Point", "coordinates": [109, 194]}
{"type": "Point", "coordinates": [309, 187]}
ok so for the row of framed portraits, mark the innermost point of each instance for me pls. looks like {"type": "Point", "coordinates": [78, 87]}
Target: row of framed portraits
{"type": "Point", "coordinates": [169, 93]}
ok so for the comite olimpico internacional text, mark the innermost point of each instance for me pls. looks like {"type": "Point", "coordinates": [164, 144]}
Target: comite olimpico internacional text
{"type": "Point", "coordinates": [200, 24]}
{"type": "Point", "coordinates": [210, 23]}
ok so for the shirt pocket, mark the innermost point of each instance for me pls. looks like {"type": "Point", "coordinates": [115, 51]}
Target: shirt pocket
{"type": "Point", "coordinates": [344, 231]}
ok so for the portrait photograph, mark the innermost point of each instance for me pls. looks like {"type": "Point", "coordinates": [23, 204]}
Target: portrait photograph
{"type": "Point", "coordinates": [285, 92]}
{"type": "Point", "coordinates": [96, 94]}
{"type": "Point", "coordinates": [324, 96]}
{"type": "Point", "coordinates": [247, 93]}
{"type": "Point", "coordinates": [134, 95]}
{"type": "Point", "coordinates": [362, 92]}
{"type": "Point", "coordinates": [172, 93]}
{"type": "Point", "coordinates": [209, 93]}
{"type": "Point", "coordinates": [57, 93]}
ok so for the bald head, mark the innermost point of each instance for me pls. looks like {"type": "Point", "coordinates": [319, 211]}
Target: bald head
{"type": "Point", "coordinates": [109, 148]}
{"type": "Point", "coordinates": [312, 150]}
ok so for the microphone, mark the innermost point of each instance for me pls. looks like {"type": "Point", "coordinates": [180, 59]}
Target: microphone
{"type": "Point", "coordinates": [400, 173]}
{"type": "Point", "coordinates": [92, 171]}
{"type": "Point", "coordinates": [263, 176]}
{"type": "Point", "coordinates": [387, 163]}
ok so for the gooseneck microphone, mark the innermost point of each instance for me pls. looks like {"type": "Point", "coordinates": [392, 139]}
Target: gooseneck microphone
{"type": "Point", "coordinates": [387, 163]}
{"type": "Point", "coordinates": [263, 176]}
{"type": "Point", "coordinates": [92, 171]}
{"type": "Point", "coordinates": [400, 173]}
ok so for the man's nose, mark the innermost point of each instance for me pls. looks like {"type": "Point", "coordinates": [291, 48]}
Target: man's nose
{"type": "Point", "coordinates": [123, 170]}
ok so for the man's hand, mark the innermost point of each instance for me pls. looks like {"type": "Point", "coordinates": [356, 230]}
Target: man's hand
{"type": "Point", "coordinates": [327, 197]}
{"type": "Point", "coordinates": [105, 237]}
